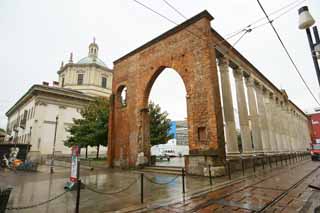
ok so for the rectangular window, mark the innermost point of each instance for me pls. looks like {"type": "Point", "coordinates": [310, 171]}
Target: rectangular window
{"type": "Point", "coordinates": [202, 134]}
{"type": "Point", "coordinates": [80, 79]}
{"type": "Point", "coordinates": [104, 82]}
{"type": "Point", "coordinates": [62, 82]}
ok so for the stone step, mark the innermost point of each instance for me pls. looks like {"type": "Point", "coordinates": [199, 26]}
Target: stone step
{"type": "Point", "coordinates": [168, 172]}
{"type": "Point", "coordinates": [171, 168]}
{"type": "Point", "coordinates": [163, 169]}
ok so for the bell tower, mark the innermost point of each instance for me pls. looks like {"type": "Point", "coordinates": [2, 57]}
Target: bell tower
{"type": "Point", "coordinates": [93, 49]}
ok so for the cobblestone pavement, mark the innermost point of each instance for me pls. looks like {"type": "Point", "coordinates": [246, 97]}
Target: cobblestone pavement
{"type": "Point", "coordinates": [289, 185]}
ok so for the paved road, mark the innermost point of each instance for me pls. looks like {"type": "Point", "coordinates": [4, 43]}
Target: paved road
{"type": "Point", "coordinates": [289, 185]}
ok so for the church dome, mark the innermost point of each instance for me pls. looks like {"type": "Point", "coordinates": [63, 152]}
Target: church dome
{"type": "Point", "coordinates": [92, 57]}
{"type": "Point", "coordinates": [92, 60]}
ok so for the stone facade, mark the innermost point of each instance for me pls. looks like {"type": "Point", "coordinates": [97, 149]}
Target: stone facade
{"type": "Point", "coordinates": [32, 119]}
{"type": "Point", "coordinates": [89, 75]}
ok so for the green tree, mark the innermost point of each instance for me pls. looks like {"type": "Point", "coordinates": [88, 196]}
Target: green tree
{"type": "Point", "coordinates": [92, 128]}
{"type": "Point", "coordinates": [159, 125]}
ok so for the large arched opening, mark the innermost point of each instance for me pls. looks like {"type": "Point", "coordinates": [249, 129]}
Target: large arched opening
{"type": "Point", "coordinates": [167, 98]}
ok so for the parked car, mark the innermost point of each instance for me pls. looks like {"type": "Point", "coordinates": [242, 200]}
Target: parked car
{"type": "Point", "coordinates": [315, 151]}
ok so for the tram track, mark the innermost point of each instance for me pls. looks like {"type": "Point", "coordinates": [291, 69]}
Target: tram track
{"type": "Point", "coordinates": [283, 194]}
{"type": "Point", "coordinates": [221, 200]}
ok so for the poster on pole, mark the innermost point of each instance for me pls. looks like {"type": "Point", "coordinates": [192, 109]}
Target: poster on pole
{"type": "Point", "coordinates": [74, 163]}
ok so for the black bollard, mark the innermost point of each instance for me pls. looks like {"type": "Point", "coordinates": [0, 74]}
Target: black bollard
{"type": "Point", "coordinates": [78, 186]}
{"type": "Point", "coordinates": [78, 195]}
{"type": "Point", "coordinates": [242, 165]}
{"type": "Point", "coordinates": [183, 186]}
{"type": "Point", "coordinates": [229, 170]}
{"type": "Point", "coordinates": [262, 159]}
{"type": "Point", "coordinates": [270, 163]}
{"type": "Point", "coordinates": [276, 161]}
{"type": "Point", "coordinates": [254, 165]}
{"type": "Point", "coordinates": [210, 177]}
{"type": "Point", "coordinates": [281, 159]}
{"type": "Point", "coordinates": [141, 187]}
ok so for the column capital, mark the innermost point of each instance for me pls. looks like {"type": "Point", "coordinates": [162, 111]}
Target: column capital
{"type": "Point", "coordinates": [223, 61]}
{"type": "Point", "coordinates": [249, 81]}
{"type": "Point", "coordinates": [237, 73]}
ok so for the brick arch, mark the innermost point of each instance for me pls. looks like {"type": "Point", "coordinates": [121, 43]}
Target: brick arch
{"type": "Point", "coordinates": [153, 77]}
{"type": "Point", "coordinates": [195, 61]}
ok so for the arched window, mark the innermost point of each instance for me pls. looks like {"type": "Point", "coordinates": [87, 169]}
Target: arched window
{"type": "Point", "coordinates": [123, 96]}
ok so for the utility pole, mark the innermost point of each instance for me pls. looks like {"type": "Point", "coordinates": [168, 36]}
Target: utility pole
{"type": "Point", "coordinates": [54, 145]}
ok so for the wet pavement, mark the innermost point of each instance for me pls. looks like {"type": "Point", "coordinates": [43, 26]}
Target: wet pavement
{"type": "Point", "coordinates": [32, 188]}
{"type": "Point", "coordinates": [241, 194]}
{"type": "Point", "coordinates": [284, 190]}
{"type": "Point", "coordinates": [174, 161]}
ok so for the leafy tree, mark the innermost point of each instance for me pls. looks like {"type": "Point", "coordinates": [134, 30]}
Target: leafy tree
{"type": "Point", "coordinates": [159, 125]}
{"type": "Point", "coordinates": [92, 128]}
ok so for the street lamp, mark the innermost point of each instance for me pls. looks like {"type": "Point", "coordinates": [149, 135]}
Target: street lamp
{"type": "Point", "coordinates": [54, 145]}
{"type": "Point", "coordinates": [305, 22]}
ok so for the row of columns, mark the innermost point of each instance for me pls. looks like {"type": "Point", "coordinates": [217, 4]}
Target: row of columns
{"type": "Point", "coordinates": [268, 124]}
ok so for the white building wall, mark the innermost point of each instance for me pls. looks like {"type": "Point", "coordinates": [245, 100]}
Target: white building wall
{"type": "Point", "coordinates": [23, 134]}
{"type": "Point", "coordinates": [43, 136]}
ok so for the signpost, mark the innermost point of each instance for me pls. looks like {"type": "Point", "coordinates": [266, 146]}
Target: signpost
{"type": "Point", "coordinates": [75, 165]}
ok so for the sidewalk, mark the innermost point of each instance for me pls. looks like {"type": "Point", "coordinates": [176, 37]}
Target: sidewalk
{"type": "Point", "coordinates": [284, 190]}
{"type": "Point", "coordinates": [30, 188]}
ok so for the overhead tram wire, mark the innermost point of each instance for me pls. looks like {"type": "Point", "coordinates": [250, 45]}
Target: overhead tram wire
{"type": "Point", "coordinates": [246, 31]}
{"type": "Point", "coordinates": [249, 27]}
{"type": "Point", "coordinates": [287, 52]}
{"type": "Point", "coordinates": [175, 9]}
{"type": "Point", "coordinates": [173, 22]}
{"type": "Point", "coordinates": [292, 5]}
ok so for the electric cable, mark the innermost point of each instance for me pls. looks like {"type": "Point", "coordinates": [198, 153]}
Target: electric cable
{"type": "Point", "coordinates": [287, 52]}
{"type": "Point", "coordinates": [191, 32]}
{"type": "Point", "coordinates": [293, 4]}
{"type": "Point", "coordinates": [175, 9]}
{"type": "Point", "coordinates": [246, 31]}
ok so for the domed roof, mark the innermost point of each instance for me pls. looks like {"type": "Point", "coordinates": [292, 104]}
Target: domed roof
{"type": "Point", "coordinates": [92, 60]}
{"type": "Point", "coordinates": [92, 57]}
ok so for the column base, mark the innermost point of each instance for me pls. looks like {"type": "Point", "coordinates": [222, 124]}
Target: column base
{"type": "Point", "coordinates": [233, 154]}
{"type": "Point", "coordinates": [247, 154]}
{"type": "Point", "coordinates": [199, 165]}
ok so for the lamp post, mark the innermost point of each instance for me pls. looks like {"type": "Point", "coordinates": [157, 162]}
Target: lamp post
{"type": "Point", "coordinates": [54, 145]}
{"type": "Point", "coordinates": [305, 22]}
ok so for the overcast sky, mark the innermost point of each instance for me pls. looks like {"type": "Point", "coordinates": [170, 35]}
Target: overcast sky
{"type": "Point", "coordinates": [36, 35]}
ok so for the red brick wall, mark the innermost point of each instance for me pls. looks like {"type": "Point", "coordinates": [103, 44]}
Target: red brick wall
{"type": "Point", "coordinates": [194, 60]}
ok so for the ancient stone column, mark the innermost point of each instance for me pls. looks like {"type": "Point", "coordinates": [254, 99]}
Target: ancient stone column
{"type": "Point", "coordinates": [291, 130]}
{"type": "Point", "coordinates": [230, 126]}
{"type": "Point", "coordinates": [308, 139]}
{"type": "Point", "coordinates": [277, 125]}
{"type": "Point", "coordinates": [263, 118]}
{"type": "Point", "coordinates": [283, 123]}
{"type": "Point", "coordinates": [268, 105]}
{"type": "Point", "coordinates": [287, 127]}
{"type": "Point", "coordinates": [298, 135]}
{"type": "Point", "coordinates": [273, 116]}
{"type": "Point", "coordinates": [243, 113]}
{"type": "Point", "coordinates": [255, 127]}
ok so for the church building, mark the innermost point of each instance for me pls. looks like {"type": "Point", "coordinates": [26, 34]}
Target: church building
{"type": "Point", "coordinates": [48, 109]}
